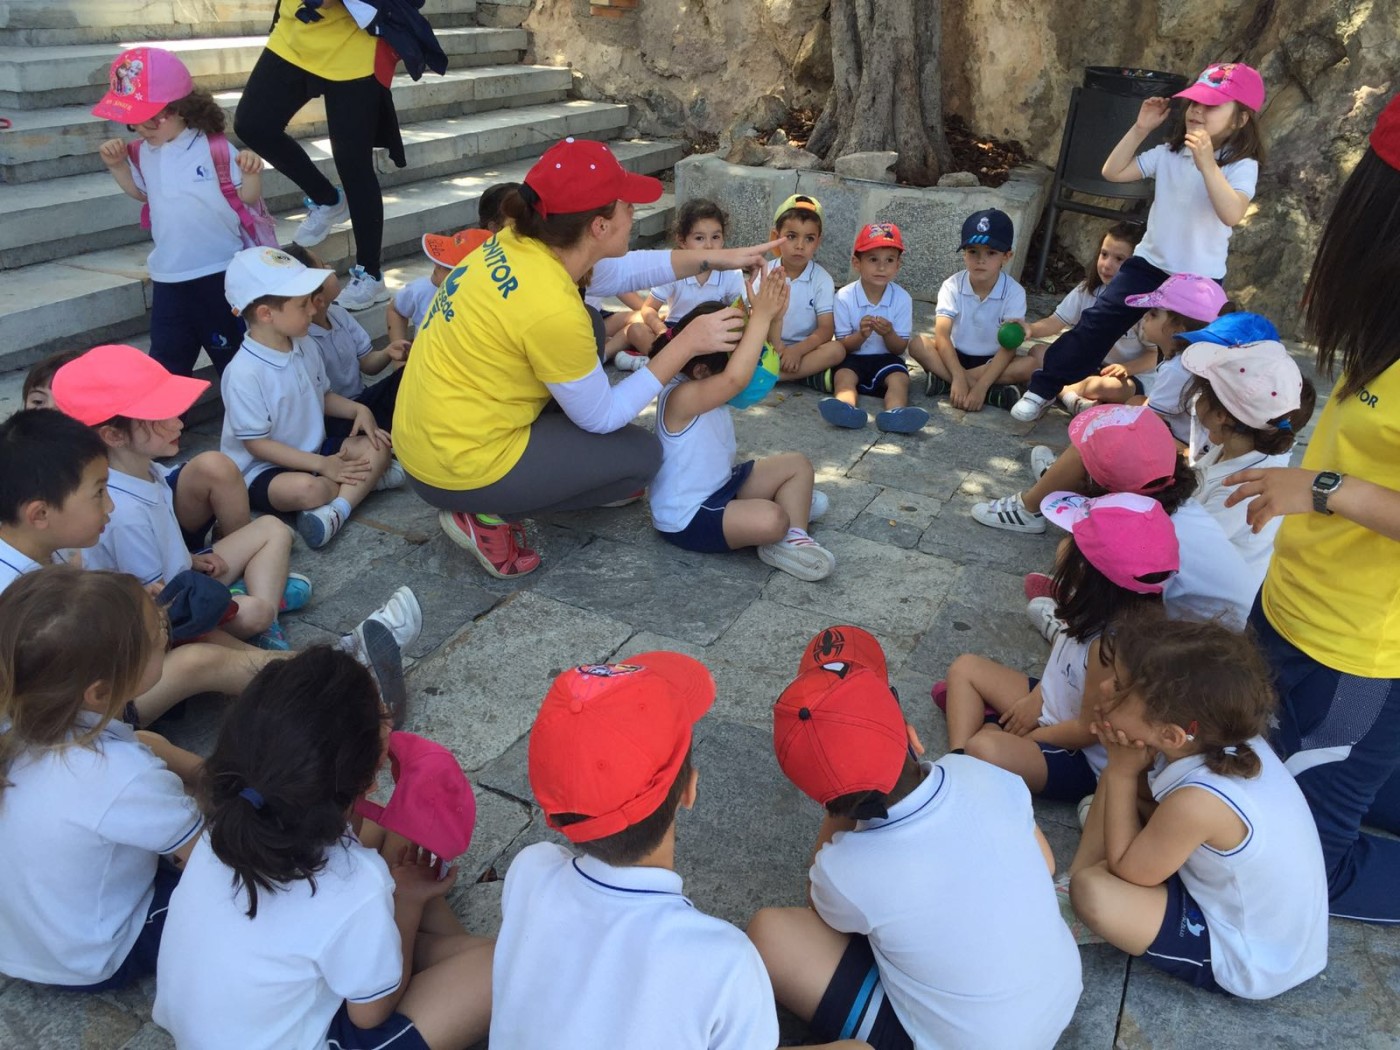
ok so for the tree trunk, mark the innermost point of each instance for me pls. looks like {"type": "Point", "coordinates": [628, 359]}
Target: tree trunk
{"type": "Point", "coordinates": [886, 90]}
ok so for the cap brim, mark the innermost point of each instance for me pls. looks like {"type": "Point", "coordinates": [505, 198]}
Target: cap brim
{"type": "Point", "coordinates": [844, 643]}
{"type": "Point", "coordinates": [1204, 94]}
{"type": "Point", "coordinates": [1146, 301]}
{"type": "Point", "coordinates": [167, 400]}
{"type": "Point", "coordinates": [1064, 509]}
{"type": "Point", "coordinates": [123, 109]}
{"type": "Point", "coordinates": [303, 282]}
{"type": "Point", "coordinates": [996, 246]}
{"type": "Point", "coordinates": [691, 681]}
{"type": "Point", "coordinates": [639, 189]}
{"type": "Point", "coordinates": [1198, 357]}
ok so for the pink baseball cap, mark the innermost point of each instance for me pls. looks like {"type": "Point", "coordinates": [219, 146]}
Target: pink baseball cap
{"type": "Point", "coordinates": [1385, 136]}
{"type": "Point", "coordinates": [1125, 536]}
{"type": "Point", "coordinates": [1227, 82]}
{"type": "Point", "coordinates": [1256, 382]}
{"type": "Point", "coordinates": [1188, 294]}
{"type": "Point", "coordinates": [433, 804]}
{"type": "Point", "coordinates": [144, 80]}
{"type": "Point", "coordinates": [1125, 448]}
{"type": "Point", "coordinates": [110, 381]}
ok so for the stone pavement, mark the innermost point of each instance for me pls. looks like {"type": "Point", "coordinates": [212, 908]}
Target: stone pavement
{"type": "Point", "coordinates": [912, 567]}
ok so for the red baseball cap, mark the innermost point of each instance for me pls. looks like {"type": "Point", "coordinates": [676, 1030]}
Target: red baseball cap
{"type": "Point", "coordinates": [580, 175]}
{"type": "Point", "coordinates": [610, 739]}
{"type": "Point", "coordinates": [112, 381]}
{"type": "Point", "coordinates": [433, 804]}
{"type": "Point", "coordinates": [1125, 448]}
{"type": "Point", "coordinates": [1385, 136]}
{"type": "Point", "coordinates": [143, 81]}
{"type": "Point", "coordinates": [1125, 536]}
{"type": "Point", "coordinates": [838, 729]}
{"type": "Point", "coordinates": [1227, 82]}
{"type": "Point", "coordinates": [878, 235]}
{"type": "Point", "coordinates": [843, 643]}
{"type": "Point", "coordinates": [450, 250]}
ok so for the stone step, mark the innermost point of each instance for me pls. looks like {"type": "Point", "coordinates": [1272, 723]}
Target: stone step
{"type": "Point", "coordinates": [63, 140]}
{"type": "Point", "coordinates": [99, 295]}
{"type": "Point", "coordinates": [77, 74]}
{"type": "Point", "coordinates": [97, 214]}
{"type": "Point", "coordinates": [50, 22]}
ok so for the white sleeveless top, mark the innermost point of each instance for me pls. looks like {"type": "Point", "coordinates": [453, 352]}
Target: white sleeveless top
{"type": "Point", "coordinates": [1265, 901]}
{"type": "Point", "coordinates": [695, 462]}
{"type": "Point", "coordinates": [1062, 689]}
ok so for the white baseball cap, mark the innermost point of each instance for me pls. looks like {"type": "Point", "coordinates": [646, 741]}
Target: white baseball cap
{"type": "Point", "coordinates": [255, 272]}
{"type": "Point", "coordinates": [1256, 382]}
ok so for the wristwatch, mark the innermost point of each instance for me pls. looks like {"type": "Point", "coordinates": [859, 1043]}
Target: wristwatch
{"type": "Point", "coordinates": [1326, 483]}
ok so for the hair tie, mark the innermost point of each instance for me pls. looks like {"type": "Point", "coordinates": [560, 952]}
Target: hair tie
{"type": "Point", "coordinates": [253, 797]}
{"type": "Point", "coordinates": [1284, 424]}
{"type": "Point", "coordinates": [1231, 750]}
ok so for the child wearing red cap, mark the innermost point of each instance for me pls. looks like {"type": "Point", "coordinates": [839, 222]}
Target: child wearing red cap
{"type": "Point", "coordinates": [175, 172]}
{"type": "Point", "coordinates": [288, 931]}
{"type": "Point", "coordinates": [1120, 552]}
{"type": "Point", "coordinates": [874, 319]}
{"type": "Point", "coordinates": [134, 405]}
{"type": "Point", "coordinates": [934, 919]}
{"type": "Point", "coordinates": [1204, 181]}
{"type": "Point", "coordinates": [599, 948]}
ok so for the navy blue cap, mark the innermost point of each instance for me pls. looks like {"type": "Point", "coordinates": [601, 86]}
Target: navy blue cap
{"type": "Point", "coordinates": [1234, 330]}
{"type": "Point", "coordinates": [991, 228]}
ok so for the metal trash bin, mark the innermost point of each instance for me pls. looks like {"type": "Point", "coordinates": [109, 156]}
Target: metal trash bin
{"type": "Point", "coordinates": [1100, 111]}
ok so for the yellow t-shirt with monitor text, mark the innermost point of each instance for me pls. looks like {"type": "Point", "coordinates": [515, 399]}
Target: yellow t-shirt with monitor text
{"type": "Point", "coordinates": [335, 48]}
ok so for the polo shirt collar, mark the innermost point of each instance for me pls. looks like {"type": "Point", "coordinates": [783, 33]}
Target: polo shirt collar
{"type": "Point", "coordinates": [182, 141]}
{"type": "Point", "coordinates": [886, 298]}
{"type": "Point", "coordinates": [115, 729]}
{"type": "Point", "coordinates": [16, 559]}
{"type": "Point", "coordinates": [1165, 774]}
{"type": "Point", "coordinates": [631, 879]}
{"type": "Point", "coordinates": [921, 797]}
{"type": "Point", "coordinates": [267, 355]}
{"type": "Point", "coordinates": [143, 489]}
{"type": "Point", "coordinates": [808, 272]}
{"type": "Point", "coordinates": [998, 290]}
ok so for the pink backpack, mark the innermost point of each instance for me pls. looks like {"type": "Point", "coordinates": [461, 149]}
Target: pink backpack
{"type": "Point", "coordinates": [257, 224]}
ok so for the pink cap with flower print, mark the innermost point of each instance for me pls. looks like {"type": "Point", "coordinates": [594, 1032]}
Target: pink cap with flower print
{"type": "Point", "coordinates": [1227, 82]}
{"type": "Point", "coordinates": [144, 80]}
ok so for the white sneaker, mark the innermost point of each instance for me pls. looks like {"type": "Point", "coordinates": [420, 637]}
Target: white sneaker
{"type": "Point", "coordinates": [318, 526]}
{"type": "Point", "coordinates": [1075, 403]}
{"type": "Point", "coordinates": [1082, 810]}
{"type": "Point", "coordinates": [1042, 456]}
{"type": "Point", "coordinates": [373, 647]}
{"type": "Point", "coordinates": [1041, 613]}
{"type": "Point", "coordinates": [316, 227]}
{"type": "Point", "coordinates": [362, 291]}
{"type": "Point", "coordinates": [1008, 513]}
{"type": "Point", "coordinates": [1030, 408]}
{"type": "Point", "coordinates": [820, 505]}
{"type": "Point", "coordinates": [630, 361]}
{"type": "Point", "coordinates": [401, 614]}
{"type": "Point", "coordinates": [392, 478]}
{"type": "Point", "coordinates": [799, 556]}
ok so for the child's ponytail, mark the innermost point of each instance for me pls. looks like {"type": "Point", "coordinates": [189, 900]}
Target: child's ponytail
{"type": "Point", "coordinates": [1233, 760]}
{"type": "Point", "coordinates": [296, 749]}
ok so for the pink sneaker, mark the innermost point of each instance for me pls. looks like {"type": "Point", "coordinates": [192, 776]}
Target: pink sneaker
{"type": "Point", "coordinates": [1039, 585]}
{"type": "Point", "coordinates": [499, 548]}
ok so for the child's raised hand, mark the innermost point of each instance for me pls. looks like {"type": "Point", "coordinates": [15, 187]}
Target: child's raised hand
{"type": "Point", "coordinates": [771, 299]}
{"type": "Point", "coordinates": [1113, 372]}
{"type": "Point", "coordinates": [1153, 113]}
{"type": "Point", "coordinates": [113, 153]}
{"type": "Point", "coordinates": [1022, 716]}
{"type": "Point", "coordinates": [415, 874]}
{"type": "Point", "coordinates": [711, 333]}
{"type": "Point", "coordinates": [1202, 149]}
{"type": "Point", "coordinates": [398, 350]}
{"type": "Point", "coordinates": [1126, 756]}
{"type": "Point", "coordinates": [248, 162]}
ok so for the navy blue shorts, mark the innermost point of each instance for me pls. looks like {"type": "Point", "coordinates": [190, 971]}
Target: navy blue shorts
{"type": "Point", "coordinates": [141, 960]}
{"type": "Point", "coordinates": [257, 488]}
{"type": "Point", "coordinates": [971, 361]}
{"type": "Point", "coordinates": [854, 1004]}
{"type": "Point", "coordinates": [1068, 775]}
{"type": "Point", "coordinates": [380, 398]}
{"type": "Point", "coordinates": [872, 370]}
{"type": "Point", "coordinates": [1182, 945]}
{"type": "Point", "coordinates": [396, 1033]}
{"type": "Point", "coordinates": [705, 533]}
{"type": "Point", "coordinates": [196, 540]}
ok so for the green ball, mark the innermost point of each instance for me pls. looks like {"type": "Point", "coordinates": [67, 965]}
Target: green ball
{"type": "Point", "coordinates": [1011, 335]}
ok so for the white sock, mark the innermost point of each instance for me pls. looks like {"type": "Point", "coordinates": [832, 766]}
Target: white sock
{"type": "Point", "coordinates": [796, 534]}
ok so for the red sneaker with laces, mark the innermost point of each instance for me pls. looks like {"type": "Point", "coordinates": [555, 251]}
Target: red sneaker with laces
{"type": "Point", "coordinates": [500, 548]}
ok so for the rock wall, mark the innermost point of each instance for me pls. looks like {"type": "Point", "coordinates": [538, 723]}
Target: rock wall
{"type": "Point", "coordinates": [695, 66]}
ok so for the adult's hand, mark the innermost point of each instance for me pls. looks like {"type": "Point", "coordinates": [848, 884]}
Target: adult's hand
{"type": "Point", "coordinates": [709, 333]}
{"type": "Point", "coordinates": [689, 262]}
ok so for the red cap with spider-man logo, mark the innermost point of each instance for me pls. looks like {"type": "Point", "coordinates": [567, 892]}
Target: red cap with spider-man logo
{"type": "Point", "coordinates": [844, 644]}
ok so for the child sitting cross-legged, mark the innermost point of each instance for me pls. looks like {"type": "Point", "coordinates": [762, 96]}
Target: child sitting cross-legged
{"type": "Point", "coordinates": [87, 811]}
{"type": "Point", "coordinates": [276, 397]}
{"type": "Point", "coordinates": [134, 405]}
{"type": "Point", "coordinates": [700, 500]}
{"type": "Point", "coordinates": [1222, 884]}
{"type": "Point", "coordinates": [933, 918]}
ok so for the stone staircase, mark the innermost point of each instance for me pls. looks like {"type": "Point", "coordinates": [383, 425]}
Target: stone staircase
{"type": "Point", "coordinates": [72, 255]}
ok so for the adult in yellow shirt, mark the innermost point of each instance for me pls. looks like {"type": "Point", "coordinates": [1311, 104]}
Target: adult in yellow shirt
{"type": "Point", "coordinates": [1329, 612]}
{"type": "Point", "coordinates": [508, 333]}
{"type": "Point", "coordinates": [320, 50]}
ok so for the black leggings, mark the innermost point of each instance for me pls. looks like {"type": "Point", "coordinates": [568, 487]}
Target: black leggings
{"type": "Point", "coordinates": [276, 90]}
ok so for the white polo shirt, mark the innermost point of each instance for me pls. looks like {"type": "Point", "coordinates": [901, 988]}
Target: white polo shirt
{"type": "Point", "coordinates": [413, 299]}
{"type": "Point", "coordinates": [1062, 689]}
{"type": "Point", "coordinates": [953, 892]}
{"type": "Point", "coordinates": [686, 293]}
{"type": "Point", "coordinates": [975, 319]}
{"type": "Point", "coordinates": [14, 564]}
{"type": "Point", "coordinates": [595, 956]}
{"type": "Point", "coordinates": [83, 829]}
{"type": "Point", "coordinates": [342, 345]}
{"type": "Point", "coordinates": [1129, 348]}
{"type": "Point", "coordinates": [1215, 579]}
{"type": "Point", "coordinates": [1265, 901]}
{"type": "Point", "coordinates": [695, 462]}
{"type": "Point", "coordinates": [195, 229]}
{"type": "Point", "coordinates": [895, 305]}
{"type": "Point", "coordinates": [143, 538]}
{"type": "Point", "coordinates": [1184, 235]}
{"type": "Point", "coordinates": [274, 982]}
{"type": "Point", "coordinates": [1256, 548]}
{"type": "Point", "coordinates": [810, 295]}
{"type": "Point", "coordinates": [271, 394]}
